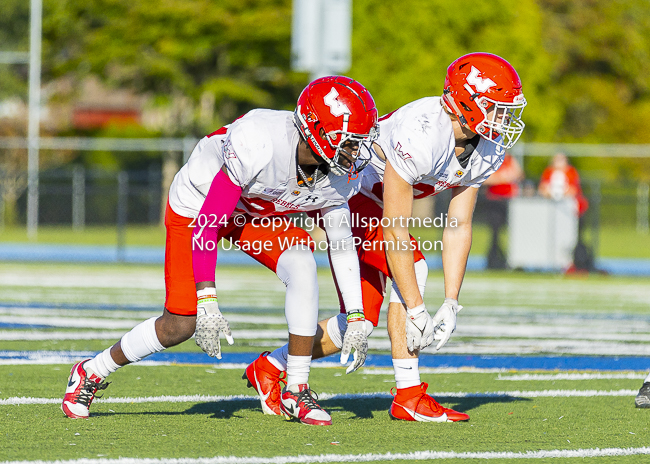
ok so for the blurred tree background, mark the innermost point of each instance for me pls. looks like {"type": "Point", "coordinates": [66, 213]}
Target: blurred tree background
{"type": "Point", "coordinates": [585, 64]}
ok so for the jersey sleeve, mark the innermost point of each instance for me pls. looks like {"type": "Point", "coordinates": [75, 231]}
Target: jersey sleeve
{"type": "Point", "coordinates": [246, 151]}
{"type": "Point", "coordinates": [407, 154]}
{"type": "Point", "coordinates": [343, 256]}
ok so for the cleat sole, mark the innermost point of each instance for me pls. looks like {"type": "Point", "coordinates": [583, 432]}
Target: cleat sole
{"type": "Point", "coordinates": [248, 382]}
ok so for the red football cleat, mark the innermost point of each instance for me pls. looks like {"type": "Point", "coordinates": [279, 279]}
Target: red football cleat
{"type": "Point", "coordinates": [413, 404]}
{"type": "Point", "coordinates": [81, 391]}
{"type": "Point", "coordinates": [265, 378]}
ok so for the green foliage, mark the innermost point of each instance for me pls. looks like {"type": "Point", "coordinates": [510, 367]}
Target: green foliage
{"type": "Point", "coordinates": [14, 37]}
{"type": "Point", "coordinates": [600, 68]}
{"type": "Point", "coordinates": [406, 57]}
{"type": "Point", "coordinates": [235, 52]}
{"type": "Point", "coordinates": [585, 64]}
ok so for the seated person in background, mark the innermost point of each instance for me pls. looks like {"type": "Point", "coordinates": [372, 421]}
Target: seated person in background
{"type": "Point", "coordinates": [561, 180]}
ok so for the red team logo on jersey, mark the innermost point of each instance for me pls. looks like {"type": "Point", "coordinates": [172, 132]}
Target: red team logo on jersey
{"type": "Point", "coordinates": [228, 152]}
{"type": "Point", "coordinates": [399, 151]}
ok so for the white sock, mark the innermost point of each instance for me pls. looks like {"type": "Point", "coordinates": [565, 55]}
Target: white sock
{"type": "Point", "coordinates": [279, 357]}
{"type": "Point", "coordinates": [102, 364]}
{"type": "Point", "coordinates": [647, 379]}
{"type": "Point", "coordinates": [298, 369]}
{"type": "Point", "coordinates": [407, 373]}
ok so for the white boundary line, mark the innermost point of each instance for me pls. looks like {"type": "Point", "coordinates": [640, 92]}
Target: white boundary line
{"type": "Point", "coordinates": [15, 401]}
{"type": "Point", "coordinates": [574, 376]}
{"type": "Point", "coordinates": [325, 458]}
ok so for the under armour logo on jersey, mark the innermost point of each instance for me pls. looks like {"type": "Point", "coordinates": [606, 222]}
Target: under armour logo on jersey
{"type": "Point", "coordinates": [310, 197]}
{"type": "Point", "coordinates": [480, 84]}
{"type": "Point", "coordinates": [337, 108]}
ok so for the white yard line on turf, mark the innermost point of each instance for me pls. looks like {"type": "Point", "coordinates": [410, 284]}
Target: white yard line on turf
{"type": "Point", "coordinates": [573, 376]}
{"type": "Point", "coordinates": [324, 458]}
{"type": "Point", "coordinates": [437, 370]}
{"type": "Point", "coordinates": [15, 401]}
{"type": "Point", "coordinates": [33, 335]}
{"type": "Point", "coordinates": [111, 324]}
{"type": "Point", "coordinates": [99, 315]}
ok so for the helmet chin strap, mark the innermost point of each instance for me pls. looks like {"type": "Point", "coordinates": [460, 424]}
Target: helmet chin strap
{"type": "Point", "coordinates": [449, 101]}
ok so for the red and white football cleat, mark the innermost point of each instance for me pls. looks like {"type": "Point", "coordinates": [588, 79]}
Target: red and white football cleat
{"type": "Point", "coordinates": [413, 404]}
{"type": "Point", "coordinates": [81, 391]}
{"type": "Point", "coordinates": [297, 401]}
{"type": "Point", "coordinates": [265, 378]}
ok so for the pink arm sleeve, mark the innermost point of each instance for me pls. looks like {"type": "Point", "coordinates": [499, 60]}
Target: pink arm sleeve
{"type": "Point", "coordinates": [217, 208]}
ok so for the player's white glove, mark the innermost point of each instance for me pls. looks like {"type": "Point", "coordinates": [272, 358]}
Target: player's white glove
{"type": "Point", "coordinates": [210, 323]}
{"type": "Point", "coordinates": [445, 321]}
{"type": "Point", "coordinates": [419, 328]}
{"type": "Point", "coordinates": [355, 338]}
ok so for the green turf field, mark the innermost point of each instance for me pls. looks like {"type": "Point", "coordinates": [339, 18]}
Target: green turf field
{"type": "Point", "coordinates": [237, 427]}
{"type": "Point", "coordinates": [192, 411]}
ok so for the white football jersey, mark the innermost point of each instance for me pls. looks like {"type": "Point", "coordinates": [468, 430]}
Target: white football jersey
{"type": "Point", "coordinates": [259, 152]}
{"type": "Point", "coordinates": [418, 140]}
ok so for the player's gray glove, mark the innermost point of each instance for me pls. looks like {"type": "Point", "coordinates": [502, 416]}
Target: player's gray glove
{"type": "Point", "coordinates": [210, 323]}
{"type": "Point", "coordinates": [444, 321]}
{"type": "Point", "coordinates": [419, 328]}
{"type": "Point", "coordinates": [355, 338]}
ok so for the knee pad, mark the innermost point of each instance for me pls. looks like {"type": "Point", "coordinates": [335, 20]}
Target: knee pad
{"type": "Point", "coordinates": [297, 266]}
{"type": "Point", "coordinates": [297, 270]}
{"type": "Point", "coordinates": [421, 274]}
{"type": "Point", "coordinates": [336, 329]}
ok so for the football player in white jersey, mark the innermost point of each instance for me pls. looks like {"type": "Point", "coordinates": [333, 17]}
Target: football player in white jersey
{"type": "Point", "coordinates": [455, 141]}
{"type": "Point", "coordinates": [265, 164]}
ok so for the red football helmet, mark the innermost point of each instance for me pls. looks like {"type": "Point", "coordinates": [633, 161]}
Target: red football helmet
{"type": "Point", "coordinates": [335, 114]}
{"type": "Point", "coordinates": [484, 92]}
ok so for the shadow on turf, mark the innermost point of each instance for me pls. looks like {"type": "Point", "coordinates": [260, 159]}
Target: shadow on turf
{"type": "Point", "coordinates": [361, 408]}
{"type": "Point", "coordinates": [365, 408]}
{"type": "Point", "coordinates": [467, 404]}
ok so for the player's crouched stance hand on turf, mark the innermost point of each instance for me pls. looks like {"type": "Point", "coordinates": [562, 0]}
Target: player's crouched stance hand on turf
{"type": "Point", "coordinates": [444, 321]}
{"type": "Point", "coordinates": [209, 325]}
{"type": "Point", "coordinates": [419, 328]}
{"type": "Point", "coordinates": [355, 338]}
